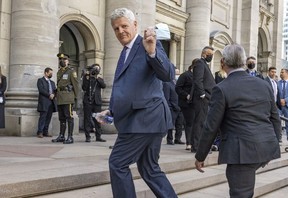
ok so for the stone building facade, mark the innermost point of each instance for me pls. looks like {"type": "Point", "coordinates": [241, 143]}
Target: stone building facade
{"type": "Point", "coordinates": [32, 32]}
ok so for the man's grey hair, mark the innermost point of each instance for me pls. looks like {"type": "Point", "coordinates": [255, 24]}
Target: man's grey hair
{"type": "Point", "coordinates": [234, 56]}
{"type": "Point", "coordinates": [122, 12]}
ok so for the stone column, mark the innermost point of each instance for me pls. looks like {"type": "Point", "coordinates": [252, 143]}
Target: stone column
{"type": "Point", "coordinates": [34, 45]}
{"type": "Point", "coordinates": [173, 51]}
{"type": "Point", "coordinates": [277, 34]}
{"type": "Point", "coordinates": [197, 29]}
{"type": "Point", "coordinates": [249, 26]}
{"type": "Point", "coordinates": [5, 18]}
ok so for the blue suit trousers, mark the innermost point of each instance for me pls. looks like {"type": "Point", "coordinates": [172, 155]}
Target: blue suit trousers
{"type": "Point", "coordinates": [144, 149]}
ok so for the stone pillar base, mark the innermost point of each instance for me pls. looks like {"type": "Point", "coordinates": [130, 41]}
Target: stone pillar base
{"type": "Point", "coordinates": [24, 122]}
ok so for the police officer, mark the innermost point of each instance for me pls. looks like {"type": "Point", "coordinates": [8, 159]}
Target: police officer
{"type": "Point", "coordinates": [92, 101]}
{"type": "Point", "coordinates": [67, 91]}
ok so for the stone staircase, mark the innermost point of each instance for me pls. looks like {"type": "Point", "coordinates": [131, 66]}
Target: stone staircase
{"type": "Point", "coordinates": [271, 181]}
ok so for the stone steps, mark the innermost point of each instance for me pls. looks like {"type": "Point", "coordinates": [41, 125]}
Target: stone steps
{"type": "Point", "coordinates": [188, 182]}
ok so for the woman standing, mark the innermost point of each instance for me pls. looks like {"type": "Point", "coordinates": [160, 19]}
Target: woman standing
{"type": "Point", "coordinates": [3, 86]}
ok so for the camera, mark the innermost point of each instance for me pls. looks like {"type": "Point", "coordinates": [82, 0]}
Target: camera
{"type": "Point", "coordinates": [92, 70]}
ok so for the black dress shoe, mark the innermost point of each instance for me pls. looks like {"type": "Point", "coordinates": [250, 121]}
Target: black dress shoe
{"type": "Point", "coordinates": [100, 140]}
{"type": "Point", "coordinates": [170, 142]}
{"type": "Point", "coordinates": [178, 142]}
{"type": "Point", "coordinates": [193, 150]}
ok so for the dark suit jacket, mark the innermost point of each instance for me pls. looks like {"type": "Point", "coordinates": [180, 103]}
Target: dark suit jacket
{"type": "Point", "coordinates": [137, 100]}
{"type": "Point", "coordinates": [248, 119]}
{"type": "Point", "coordinates": [269, 81]}
{"type": "Point", "coordinates": [3, 87]}
{"type": "Point", "coordinates": [183, 88]}
{"type": "Point", "coordinates": [96, 86]}
{"type": "Point", "coordinates": [171, 98]}
{"type": "Point", "coordinates": [43, 98]}
{"type": "Point", "coordinates": [203, 80]}
{"type": "Point", "coordinates": [218, 78]}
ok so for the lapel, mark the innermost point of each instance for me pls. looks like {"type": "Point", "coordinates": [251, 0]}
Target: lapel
{"type": "Point", "coordinates": [132, 53]}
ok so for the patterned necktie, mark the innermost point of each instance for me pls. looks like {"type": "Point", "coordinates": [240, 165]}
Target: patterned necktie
{"type": "Point", "coordinates": [50, 87]}
{"type": "Point", "coordinates": [121, 61]}
{"type": "Point", "coordinates": [284, 89]}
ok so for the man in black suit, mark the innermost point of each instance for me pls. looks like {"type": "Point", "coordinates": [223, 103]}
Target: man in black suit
{"type": "Point", "coordinates": [203, 82]}
{"type": "Point", "coordinates": [92, 101]}
{"type": "Point", "coordinates": [46, 102]}
{"type": "Point", "coordinates": [249, 124]}
{"type": "Point", "coordinates": [251, 67]}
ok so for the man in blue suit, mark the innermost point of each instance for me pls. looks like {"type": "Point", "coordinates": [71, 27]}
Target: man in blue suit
{"type": "Point", "coordinates": [282, 97]}
{"type": "Point", "coordinates": [141, 114]}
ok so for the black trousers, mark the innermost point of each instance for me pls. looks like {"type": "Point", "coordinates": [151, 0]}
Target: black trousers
{"type": "Point", "coordinates": [241, 179]}
{"type": "Point", "coordinates": [200, 108]}
{"type": "Point", "coordinates": [89, 121]}
{"type": "Point", "coordinates": [44, 120]}
{"type": "Point", "coordinates": [178, 122]}
{"type": "Point", "coordinates": [188, 114]}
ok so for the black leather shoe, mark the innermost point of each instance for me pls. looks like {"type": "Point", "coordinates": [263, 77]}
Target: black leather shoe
{"type": "Point", "coordinates": [88, 140]}
{"type": "Point", "coordinates": [193, 150]}
{"type": "Point", "coordinates": [170, 142]}
{"type": "Point", "coordinates": [59, 139]}
{"type": "Point", "coordinates": [178, 142]}
{"type": "Point", "coordinates": [100, 140]}
{"type": "Point", "coordinates": [69, 140]}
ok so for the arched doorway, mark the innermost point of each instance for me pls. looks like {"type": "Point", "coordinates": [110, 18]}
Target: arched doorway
{"type": "Point", "coordinates": [80, 40]}
{"type": "Point", "coordinates": [264, 59]}
{"type": "Point", "coordinates": [218, 40]}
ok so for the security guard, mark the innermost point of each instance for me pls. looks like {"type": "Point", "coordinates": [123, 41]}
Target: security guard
{"type": "Point", "coordinates": [67, 91]}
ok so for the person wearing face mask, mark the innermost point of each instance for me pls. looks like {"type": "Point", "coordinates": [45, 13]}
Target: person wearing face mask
{"type": "Point", "coordinates": [67, 92]}
{"type": "Point", "coordinates": [46, 102]}
{"type": "Point", "coordinates": [92, 101]}
{"type": "Point", "coordinates": [251, 67]}
{"type": "Point", "coordinates": [203, 82]}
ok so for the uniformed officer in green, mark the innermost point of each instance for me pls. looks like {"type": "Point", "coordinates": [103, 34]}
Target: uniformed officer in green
{"type": "Point", "coordinates": [67, 91]}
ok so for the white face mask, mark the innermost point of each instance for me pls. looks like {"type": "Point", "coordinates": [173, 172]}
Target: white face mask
{"type": "Point", "coordinates": [176, 77]}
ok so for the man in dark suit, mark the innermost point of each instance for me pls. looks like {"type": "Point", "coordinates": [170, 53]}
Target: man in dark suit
{"type": "Point", "coordinates": [141, 114]}
{"type": "Point", "coordinates": [203, 82]}
{"type": "Point", "coordinates": [46, 102]}
{"type": "Point", "coordinates": [172, 100]}
{"type": "Point", "coordinates": [271, 80]}
{"type": "Point", "coordinates": [92, 101]}
{"type": "Point", "coordinates": [249, 124]}
{"type": "Point", "coordinates": [251, 67]}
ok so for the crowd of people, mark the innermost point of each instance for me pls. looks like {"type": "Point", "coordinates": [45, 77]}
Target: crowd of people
{"type": "Point", "coordinates": [236, 112]}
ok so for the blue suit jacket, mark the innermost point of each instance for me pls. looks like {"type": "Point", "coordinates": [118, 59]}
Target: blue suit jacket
{"type": "Point", "coordinates": [137, 100]}
{"type": "Point", "coordinates": [280, 93]}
